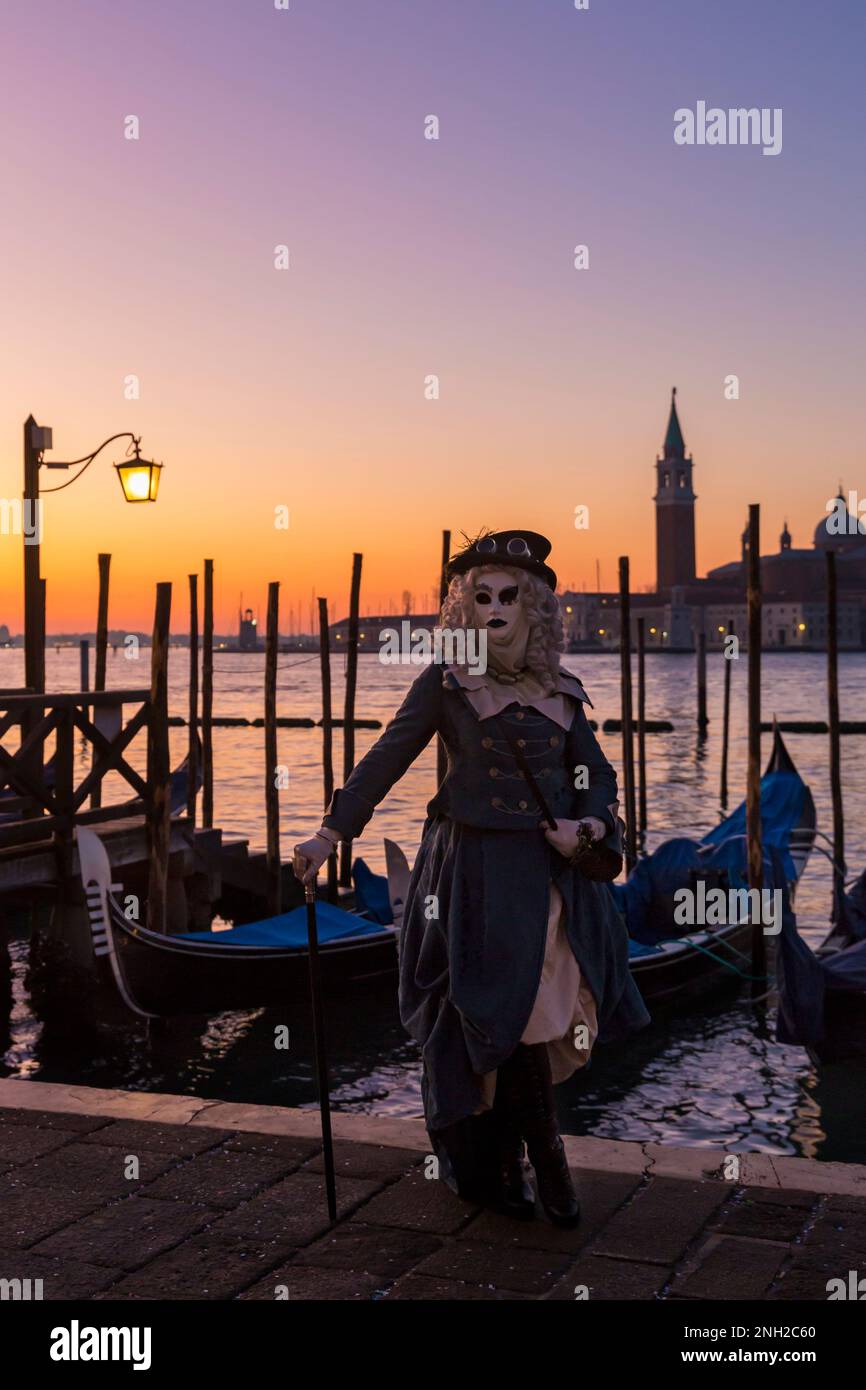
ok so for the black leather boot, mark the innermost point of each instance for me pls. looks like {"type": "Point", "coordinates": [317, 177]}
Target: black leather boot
{"type": "Point", "coordinates": [528, 1088]}
{"type": "Point", "coordinates": [512, 1191]}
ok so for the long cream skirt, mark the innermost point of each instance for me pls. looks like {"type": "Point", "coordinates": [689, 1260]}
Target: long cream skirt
{"type": "Point", "coordinates": [564, 1013]}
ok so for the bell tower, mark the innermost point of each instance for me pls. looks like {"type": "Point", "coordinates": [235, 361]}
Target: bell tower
{"type": "Point", "coordinates": [675, 508]}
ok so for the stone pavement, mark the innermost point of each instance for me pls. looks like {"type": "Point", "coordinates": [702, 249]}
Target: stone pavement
{"type": "Point", "coordinates": [127, 1195]}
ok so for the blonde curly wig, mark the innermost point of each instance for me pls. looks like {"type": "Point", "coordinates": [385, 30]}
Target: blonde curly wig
{"type": "Point", "coordinates": [542, 609]}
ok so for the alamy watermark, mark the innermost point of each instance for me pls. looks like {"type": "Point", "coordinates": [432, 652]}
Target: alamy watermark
{"type": "Point", "coordinates": [718, 907]}
{"type": "Point", "coordinates": [738, 125]}
{"type": "Point", "coordinates": [846, 519]}
{"type": "Point", "coordinates": [19, 518]}
{"type": "Point", "coordinates": [443, 645]}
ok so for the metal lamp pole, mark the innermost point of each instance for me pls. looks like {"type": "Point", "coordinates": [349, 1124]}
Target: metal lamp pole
{"type": "Point", "coordinates": [140, 482]}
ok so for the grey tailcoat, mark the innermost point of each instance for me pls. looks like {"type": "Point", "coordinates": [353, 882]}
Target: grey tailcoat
{"type": "Point", "coordinates": [475, 919]}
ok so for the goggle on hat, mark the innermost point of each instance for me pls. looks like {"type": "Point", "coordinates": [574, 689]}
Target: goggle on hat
{"type": "Point", "coordinates": [525, 550]}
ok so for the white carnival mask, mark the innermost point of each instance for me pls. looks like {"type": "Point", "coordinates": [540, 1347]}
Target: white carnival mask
{"type": "Point", "coordinates": [498, 605]}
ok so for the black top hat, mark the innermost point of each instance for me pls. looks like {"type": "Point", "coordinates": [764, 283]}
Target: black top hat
{"type": "Point", "coordinates": [525, 550]}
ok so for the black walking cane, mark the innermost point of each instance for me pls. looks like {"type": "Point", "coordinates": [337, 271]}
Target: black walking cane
{"type": "Point", "coordinates": [319, 1041]}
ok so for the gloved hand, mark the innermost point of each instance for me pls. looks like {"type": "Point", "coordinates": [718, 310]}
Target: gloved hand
{"type": "Point", "coordinates": [566, 837]}
{"type": "Point", "coordinates": [310, 855]}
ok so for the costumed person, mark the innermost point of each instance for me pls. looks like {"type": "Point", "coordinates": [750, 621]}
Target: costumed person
{"type": "Point", "coordinates": [512, 961]}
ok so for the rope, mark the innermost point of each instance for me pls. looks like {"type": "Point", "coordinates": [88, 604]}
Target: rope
{"type": "Point", "coordinates": [729, 965]}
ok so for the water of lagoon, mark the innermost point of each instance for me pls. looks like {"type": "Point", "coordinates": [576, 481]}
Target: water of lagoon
{"type": "Point", "coordinates": [707, 1076]}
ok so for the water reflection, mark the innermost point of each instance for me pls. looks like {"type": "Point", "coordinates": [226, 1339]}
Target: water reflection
{"type": "Point", "coordinates": [710, 1077]}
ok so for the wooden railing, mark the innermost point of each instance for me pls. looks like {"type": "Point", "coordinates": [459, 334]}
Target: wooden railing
{"type": "Point", "coordinates": [39, 799]}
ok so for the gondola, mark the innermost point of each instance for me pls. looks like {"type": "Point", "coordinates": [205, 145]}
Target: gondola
{"type": "Point", "coordinates": [263, 963]}
{"type": "Point", "coordinates": [670, 964]}
{"type": "Point", "coordinates": [822, 994]}
{"type": "Point", "coordinates": [250, 966]}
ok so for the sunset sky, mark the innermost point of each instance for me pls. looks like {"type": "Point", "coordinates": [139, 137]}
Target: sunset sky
{"type": "Point", "coordinates": [410, 257]}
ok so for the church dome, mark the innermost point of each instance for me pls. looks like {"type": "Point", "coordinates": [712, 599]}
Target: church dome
{"type": "Point", "coordinates": [840, 528]}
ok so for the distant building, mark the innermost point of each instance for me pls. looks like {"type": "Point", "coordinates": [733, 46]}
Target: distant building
{"type": "Point", "coordinates": [372, 630]}
{"type": "Point", "coordinates": [248, 636]}
{"type": "Point", "coordinates": [5, 638]}
{"type": "Point", "coordinates": [793, 580]}
{"type": "Point", "coordinates": [675, 509]}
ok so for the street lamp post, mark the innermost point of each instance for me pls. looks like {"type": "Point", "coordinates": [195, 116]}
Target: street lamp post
{"type": "Point", "coordinates": [139, 479]}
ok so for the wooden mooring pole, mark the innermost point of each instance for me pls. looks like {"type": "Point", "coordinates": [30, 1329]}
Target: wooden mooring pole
{"type": "Point", "coordinates": [159, 765]}
{"type": "Point", "coordinates": [753, 780]}
{"type": "Point", "coordinates": [833, 721]}
{"type": "Point", "coordinates": [703, 719]}
{"type": "Point", "coordinates": [641, 726]}
{"type": "Point", "coordinates": [441, 755]}
{"type": "Point", "coordinates": [272, 772]}
{"type": "Point", "coordinates": [207, 701]}
{"type": "Point", "coordinates": [104, 566]}
{"type": "Point", "coordinates": [327, 733]}
{"type": "Point", "coordinates": [194, 745]}
{"type": "Point", "coordinates": [726, 722]}
{"type": "Point", "coordinates": [83, 664]}
{"type": "Point", "coordinates": [349, 712]}
{"type": "Point", "coordinates": [104, 563]}
{"type": "Point", "coordinates": [627, 730]}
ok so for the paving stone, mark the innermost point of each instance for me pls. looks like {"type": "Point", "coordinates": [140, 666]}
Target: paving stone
{"type": "Point", "coordinates": [419, 1288]}
{"type": "Point", "coordinates": [732, 1269]}
{"type": "Point", "coordinates": [601, 1194]}
{"type": "Point", "coordinates": [28, 1214]}
{"type": "Point", "coordinates": [496, 1266]}
{"type": "Point", "coordinates": [228, 1214]}
{"type": "Point", "coordinates": [23, 1143]}
{"type": "Point", "coordinates": [305, 1282]}
{"type": "Point", "coordinates": [802, 1281]}
{"type": "Point", "coordinates": [761, 1220]}
{"type": "Point", "coordinates": [416, 1203]}
{"type": "Point", "coordinates": [852, 1204]}
{"type": "Point", "coordinates": [605, 1279]}
{"type": "Point", "coordinates": [181, 1141]}
{"type": "Point", "coordinates": [61, 1279]}
{"type": "Point", "coordinates": [839, 1235]}
{"type": "Point", "coordinates": [208, 1265]}
{"type": "Point", "coordinates": [661, 1221]}
{"type": "Point", "coordinates": [87, 1168]}
{"type": "Point", "coordinates": [294, 1150]}
{"type": "Point", "coordinates": [294, 1210]}
{"type": "Point", "coordinates": [376, 1250]}
{"type": "Point", "coordinates": [126, 1234]}
{"type": "Point", "coordinates": [220, 1178]}
{"type": "Point", "coordinates": [50, 1119]}
{"type": "Point", "coordinates": [786, 1196]}
{"type": "Point", "coordinates": [368, 1160]}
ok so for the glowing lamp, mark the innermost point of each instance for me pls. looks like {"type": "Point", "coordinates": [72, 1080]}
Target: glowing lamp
{"type": "Point", "coordinates": [139, 478]}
